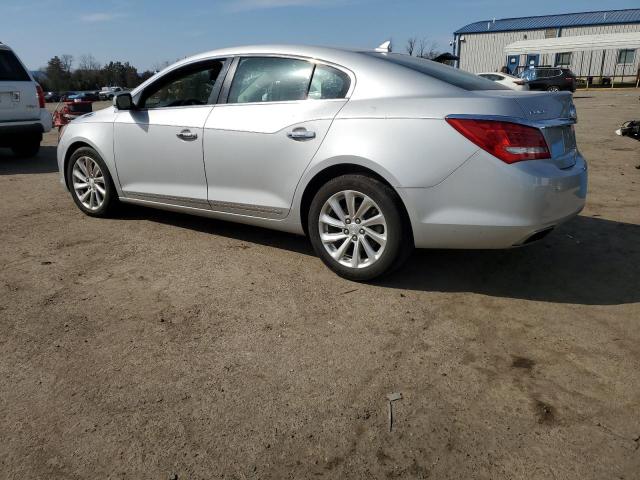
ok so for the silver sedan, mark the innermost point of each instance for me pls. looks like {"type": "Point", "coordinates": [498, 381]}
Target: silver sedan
{"type": "Point", "coordinates": [369, 153]}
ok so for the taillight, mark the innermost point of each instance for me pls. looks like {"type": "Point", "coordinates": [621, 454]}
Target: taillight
{"type": "Point", "coordinates": [519, 82]}
{"type": "Point", "coordinates": [510, 142]}
{"type": "Point", "coordinates": [40, 93]}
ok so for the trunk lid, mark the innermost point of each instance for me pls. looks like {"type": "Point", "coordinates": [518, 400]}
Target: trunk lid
{"type": "Point", "coordinates": [555, 115]}
{"type": "Point", "coordinates": [18, 97]}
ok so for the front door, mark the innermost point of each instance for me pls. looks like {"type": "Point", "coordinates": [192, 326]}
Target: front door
{"type": "Point", "coordinates": [258, 143]}
{"type": "Point", "coordinates": [158, 145]}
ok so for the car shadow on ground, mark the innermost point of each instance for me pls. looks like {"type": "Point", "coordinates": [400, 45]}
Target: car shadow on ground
{"type": "Point", "coordinates": [588, 261]}
{"type": "Point", "coordinates": [236, 231]}
{"type": "Point", "coordinates": [44, 162]}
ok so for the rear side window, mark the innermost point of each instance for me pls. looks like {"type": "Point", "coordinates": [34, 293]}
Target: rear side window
{"type": "Point", "coordinates": [444, 73]}
{"type": "Point", "coordinates": [10, 68]}
{"type": "Point", "coordinates": [328, 83]}
{"type": "Point", "coordinates": [270, 79]}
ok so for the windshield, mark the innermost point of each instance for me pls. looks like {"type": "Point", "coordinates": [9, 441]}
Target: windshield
{"type": "Point", "coordinates": [452, 76]}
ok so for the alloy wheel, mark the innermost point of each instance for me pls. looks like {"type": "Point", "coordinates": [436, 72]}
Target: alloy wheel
{"type": "Point", "coordinates": [89, 183]}
{"type": "Point", "coordinates": [353, 229]}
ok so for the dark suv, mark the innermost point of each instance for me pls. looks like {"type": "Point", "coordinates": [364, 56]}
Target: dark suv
{"type": "Point", "coordinates": [551, 79]}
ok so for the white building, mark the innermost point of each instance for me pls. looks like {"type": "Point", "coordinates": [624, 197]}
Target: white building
{"type": "Point", "coordinates": [600, 51]}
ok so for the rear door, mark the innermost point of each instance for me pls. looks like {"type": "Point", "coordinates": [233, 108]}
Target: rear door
{"type": "Point", "coordinates": [18, 97]}
{"type": "Point", "coordinates": [274, 114]}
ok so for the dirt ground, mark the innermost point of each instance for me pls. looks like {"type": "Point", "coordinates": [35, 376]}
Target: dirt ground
{"type": "Point", "coordinates": [157, 344]}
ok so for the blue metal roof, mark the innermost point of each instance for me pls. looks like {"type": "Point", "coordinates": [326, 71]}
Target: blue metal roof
{"type": "Point", "coordinates": [605, 17]}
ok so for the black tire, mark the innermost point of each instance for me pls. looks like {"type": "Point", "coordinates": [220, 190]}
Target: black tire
{"type": "Point", "coordinates": [553, 88]}
{"type": "Point", "coordinates": [110, 197]}
{"type": "Point", "coordinates": [398, 245]}
{"type": "Point", "coordinates": [27, 148]}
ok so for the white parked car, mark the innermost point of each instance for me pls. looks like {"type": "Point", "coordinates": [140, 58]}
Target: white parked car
{"type": "Point", "coordinates": [509, 81]}
{"type": "Point", "coordinates": [23, 114]}
{"type": "Point", "coordinates": [368, 153]}
{"type": "Point", "coordinates": [107, 93]}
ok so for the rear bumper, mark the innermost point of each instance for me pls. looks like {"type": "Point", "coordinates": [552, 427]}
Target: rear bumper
{"type": "Point", "coordinates": [489, 204]}
{"type": "Point", "coordinates": [13, 133]}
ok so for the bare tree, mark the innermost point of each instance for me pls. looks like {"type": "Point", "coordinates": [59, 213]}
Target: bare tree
{"type": "Point", "coordinates": [88, 63]}
{"type": "Point", "coordinates": [67, 62]}
{"type": "Point", "coordinates": [158, 66]}
{"type": "Point", "coordinates": [427, 49]}
{"type": "Point", "coordinates": [411, 45]}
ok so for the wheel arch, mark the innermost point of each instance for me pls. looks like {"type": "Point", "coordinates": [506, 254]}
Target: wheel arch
{"type": "Point", "coordinates": [71, 149]}
{"type": "Point", "coordinates": [338, 169]}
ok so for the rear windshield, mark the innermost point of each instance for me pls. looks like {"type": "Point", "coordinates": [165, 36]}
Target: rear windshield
{"type": "Point", "coordinates": [11, 68]}
{"type": "Point", "coordinates": [444, 73]}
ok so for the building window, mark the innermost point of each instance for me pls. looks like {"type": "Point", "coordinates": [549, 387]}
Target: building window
{"type": "Point", "coordinates": [563, 59]}
{"type": "Point", "coordinates": [550, 33]}
{"type": "Point", "coordinates": [626, 56]}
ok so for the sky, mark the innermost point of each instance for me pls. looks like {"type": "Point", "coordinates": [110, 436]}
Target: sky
{"type": "Point", "coordinates": [148, 33]}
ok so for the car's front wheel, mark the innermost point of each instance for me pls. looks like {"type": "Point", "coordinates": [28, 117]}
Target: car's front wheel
{"type": "Point", "coordinates": [356, 227]}
{"type": "Point", "coordinates": [553, 88]}
{"type": "Point", "coordinates": [90, 183]}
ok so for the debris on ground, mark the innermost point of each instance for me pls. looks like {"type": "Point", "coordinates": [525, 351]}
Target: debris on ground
{"type": "Point", "coordinates": [392, 397]}
{"type": "Point", "coordinates": [630, 129]}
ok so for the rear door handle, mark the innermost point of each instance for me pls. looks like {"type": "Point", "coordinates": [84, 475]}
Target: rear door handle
{"type": "Point", "coordinates": [301, 134]}
{"type": "Point", "coordinates": [187, 135]}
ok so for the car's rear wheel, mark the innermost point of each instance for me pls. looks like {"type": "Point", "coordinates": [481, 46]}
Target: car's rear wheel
{"type": "Point", "coordinates": [356, 227]}
{"type": "Point", "coordinates": [90, 183]}
{"type": "Point", "coordinates": [28, 147]}
{"type": "Point", "coordinates": [553, 88]}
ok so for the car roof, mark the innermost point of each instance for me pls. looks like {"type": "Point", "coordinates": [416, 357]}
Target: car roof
{"type": "Point", "coordinates": [375, 78]}
{"type": "Point", "coordinates": [330, 54]}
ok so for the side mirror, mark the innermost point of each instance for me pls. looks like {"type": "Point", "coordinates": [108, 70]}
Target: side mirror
{"type": "Point", "coordinates": [123, 101]}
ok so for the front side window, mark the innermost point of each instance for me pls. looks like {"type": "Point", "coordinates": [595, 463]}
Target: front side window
{"type": "Point", "coordinates": [270, 79]}
{"type": "Point", "coordinates": [626, 56]}
{"type": "Point", "coordinates": [328, 83]}
{"type": "Point", "coordinates": [10, 67]}
{"type": "Point", "coordinates": [563, 59]}
{"type": "Point", "coordinates": [191, 85]}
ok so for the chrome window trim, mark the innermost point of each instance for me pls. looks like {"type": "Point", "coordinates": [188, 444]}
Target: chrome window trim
{"type": "Point", "coordinates": [224, 94]}
{"type": "Point", "coordinates": [230, 72]}
{"type": "Point", "coordinates": [281, 102]}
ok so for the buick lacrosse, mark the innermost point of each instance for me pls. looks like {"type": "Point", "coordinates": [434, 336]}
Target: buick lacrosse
{"type": "Point", "coordinates": [369, 153]}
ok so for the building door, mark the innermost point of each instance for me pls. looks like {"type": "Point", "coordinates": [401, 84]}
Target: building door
{"type": "Point", "coordinates": [533, 59]}
{"type": "Point", "coordinates": [513, 62]}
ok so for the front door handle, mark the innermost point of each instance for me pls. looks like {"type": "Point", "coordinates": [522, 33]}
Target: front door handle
{"type": "Point", "coordinates": [301, 134]}
{"type": "Point", "coordinates": [187, 135]}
